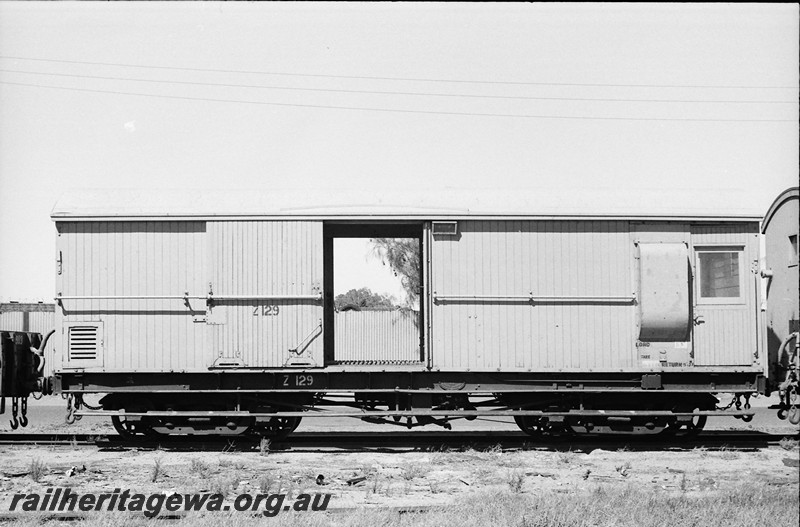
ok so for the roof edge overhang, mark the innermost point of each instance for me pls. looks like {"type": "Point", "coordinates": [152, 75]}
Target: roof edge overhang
{"type": "Point", "coordinates": [407, 218]}
{"type": "Point", "coordinates": [406, 205]}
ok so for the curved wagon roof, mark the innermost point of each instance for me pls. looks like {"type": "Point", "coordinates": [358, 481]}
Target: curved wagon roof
{"type": "Point", "coordinates": [709, 204]}
{"type": "Point", "coordinates": [783, 197]}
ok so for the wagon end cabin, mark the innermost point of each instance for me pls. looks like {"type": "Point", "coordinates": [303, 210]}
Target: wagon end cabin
{"type": "Point", "coordinates": [540, 306]}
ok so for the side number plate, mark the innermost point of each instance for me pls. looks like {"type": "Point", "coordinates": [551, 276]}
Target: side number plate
{"type": "Point", "coordinates": [299, 380]}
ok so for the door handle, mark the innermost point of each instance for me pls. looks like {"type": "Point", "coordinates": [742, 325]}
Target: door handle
{"type": "Point", "coordinates": [699, 320]}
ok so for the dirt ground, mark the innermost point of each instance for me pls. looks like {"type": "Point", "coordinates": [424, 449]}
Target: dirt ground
{"type": "Point", "coordinates": [392, 479]}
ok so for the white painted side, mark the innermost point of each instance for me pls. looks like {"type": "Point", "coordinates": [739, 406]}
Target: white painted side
{"type": "Point", "coordinates": [262, 258]}
{"type": "Point", "coordinates": [130, 259]}
{"type": "Point", "coordinates": [498, 259]}
{"type": "Point", "coordinates": [727, 335]}
{"type": "Point", "coordinates": [542, 258]}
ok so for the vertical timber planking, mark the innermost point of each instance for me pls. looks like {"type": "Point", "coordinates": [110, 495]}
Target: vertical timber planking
{"type": "Point", "coordinates": [547, 258]}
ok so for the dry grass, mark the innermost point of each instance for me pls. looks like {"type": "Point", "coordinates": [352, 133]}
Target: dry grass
{"type": "Point", "coordinates": [411, 471]}
{"type": "Point", "coordinates": [265, 483]}
{"type": "Point", "coordinates": [229, 462]}
{"type": "Point", "coordinates": [36, 469]}
{"type": "Point", "coordinates": [200, 468]}
{"type": "Point", "coordinates": [515, 479]}
{"type": "Point", "coordinates": [224, 485]}
{"type": "Point", "coordinates": [727, 454]}
{"type": "Point", "coordinates": [567, 457]}
{"type": "Point", "coordinates": [157, 471]}
{"type": "Point", "coordinates": [438, 456]}
{"type": "Point", "coordinates": [496, 449]}
{"type": "Point", "coordinates": [376, 484]}
{"type": "Point", "coordinates": [264, 446]}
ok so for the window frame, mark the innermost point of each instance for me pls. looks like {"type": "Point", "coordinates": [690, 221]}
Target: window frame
{"type": "Point", "coordinates": [719, 300]}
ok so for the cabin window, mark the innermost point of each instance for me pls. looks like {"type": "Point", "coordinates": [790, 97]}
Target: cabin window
{"type": "Point", "coordinates": [720, 275]}
{"type": "Point", "coordinates": [792, 250]}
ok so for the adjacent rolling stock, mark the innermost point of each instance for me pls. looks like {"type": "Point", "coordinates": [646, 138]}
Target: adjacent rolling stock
{"type": "Point", "coordinates": [780, 228]}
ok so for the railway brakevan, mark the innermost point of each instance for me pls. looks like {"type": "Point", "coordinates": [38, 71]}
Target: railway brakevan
{"type": "Point", "coordinates": [214, 312]}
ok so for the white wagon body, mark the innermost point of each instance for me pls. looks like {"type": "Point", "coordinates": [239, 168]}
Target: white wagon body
{"type": "Point", "coordinates": [525, 282]}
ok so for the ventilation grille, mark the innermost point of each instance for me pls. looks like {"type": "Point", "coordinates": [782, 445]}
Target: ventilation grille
{"type": "Point", "coordinates": [445, 228]}
{"type": "Point", "coordinates": [395, 362]}
{"type": "Point", "coordinates": [84, 343]}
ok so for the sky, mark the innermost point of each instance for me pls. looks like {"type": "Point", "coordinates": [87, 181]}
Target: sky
{"type": "Point", "coordinates": [388, 95]}
{"type": "Point", "coordinates": [357, 265]}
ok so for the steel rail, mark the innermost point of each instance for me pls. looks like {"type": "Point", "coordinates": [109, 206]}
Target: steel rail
{"type": "Point", "coordinates": [412, 413]}
{"type": "Point", "coordinates": [346, 391]}
{"type": "Point", "coordinates": [396, 438]}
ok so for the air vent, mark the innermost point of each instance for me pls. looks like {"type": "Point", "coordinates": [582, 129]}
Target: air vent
{"type": "Point", "coordinates": [84, 344]}
{"type": "Point", "coordinates": [445, 228]}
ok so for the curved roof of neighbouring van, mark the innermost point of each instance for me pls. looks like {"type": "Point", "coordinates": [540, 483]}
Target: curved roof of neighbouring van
{"type": "Point", "coordinates": [783, 197]}
{"type": "Point", "coordinates": [708, 204]}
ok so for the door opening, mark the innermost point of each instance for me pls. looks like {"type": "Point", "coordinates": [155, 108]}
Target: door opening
{"type": "Point", "coordinates": [373, 308]}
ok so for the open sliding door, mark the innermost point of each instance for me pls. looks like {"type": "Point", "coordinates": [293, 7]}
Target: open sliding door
{"type": "Point", "coordinates": [363, 325]}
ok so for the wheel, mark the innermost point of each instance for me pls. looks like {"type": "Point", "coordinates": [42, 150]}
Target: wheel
{"type": "Point", "coordinates": [280, 427]}
{"type": "Point", "coordinates": [124, 428]}
{"type": "Point", "coordinates": [276, 427]}
{"type": "Point", "coordinates": [133, 429]}
{"type": "Point", "coordinates": [541, 426]}
{"type": "Point", "coordinates": [690, 429]}
{"type": "Point", "coordinates": [530, 425]}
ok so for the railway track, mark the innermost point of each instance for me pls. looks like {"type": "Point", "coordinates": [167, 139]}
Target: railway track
{"type": "Point", "coordinates": [335, 441]}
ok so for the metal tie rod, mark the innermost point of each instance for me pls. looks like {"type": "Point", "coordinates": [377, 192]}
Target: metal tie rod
{"type": "Point", "coordinates": [59, 298]}
{"type": "Point", "coordinates": [620, 299]}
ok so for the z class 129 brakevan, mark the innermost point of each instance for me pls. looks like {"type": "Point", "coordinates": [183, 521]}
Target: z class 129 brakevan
{"type": "Point", "coordinates": [214, 313]}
